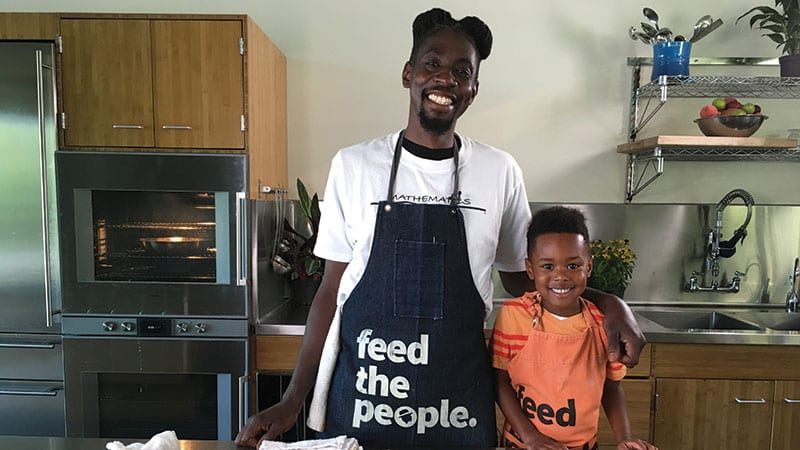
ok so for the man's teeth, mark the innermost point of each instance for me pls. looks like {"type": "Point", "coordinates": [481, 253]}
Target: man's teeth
{"type": "Point", "coordinates": [440, 99]}
{"type": "Point", "coordinates": [560, 291]}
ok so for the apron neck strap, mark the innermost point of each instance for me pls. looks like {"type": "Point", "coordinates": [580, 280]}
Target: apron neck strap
{"type": "Point", "coordinates": [398, 149]}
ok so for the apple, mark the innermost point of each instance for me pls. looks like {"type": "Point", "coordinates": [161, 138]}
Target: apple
{"type": "Point", "coordinates": [734, 104]}
{"type": "Point", "coordinates": [730, 99]}
{"type": "Point", "coordinates": [749, 108]}
{"type": "Point", "coordinates": [708, 111]}
{"type": "Point", "coordinates": [757, 109]}
{"type": "Point", "coordinates": [719, 103]}
{"type": "Point", "coordinates": [733, 112]}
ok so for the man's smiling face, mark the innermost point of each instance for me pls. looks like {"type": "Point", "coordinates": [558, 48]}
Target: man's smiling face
{"type": "Point", "coordinates": [443, 80]}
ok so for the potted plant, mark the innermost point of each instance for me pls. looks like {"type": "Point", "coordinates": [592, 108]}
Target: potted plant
{"type": "Point", "coordinates": [782, 25]}
{"type": "Point", "coordinates": [297, 249]}
{"type": "Point", "coordinates": [612, 265]}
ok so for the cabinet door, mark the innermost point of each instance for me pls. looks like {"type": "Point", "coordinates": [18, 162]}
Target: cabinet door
{"type": "Point", "coordinates": [199, 83]}
{"type": "Point", "coordinates": [786, 435]}
{"type": "Point", "coordinates": [713, 414]}
{"type": "Point", "coordinates": [638, 394]}
{"type": "Point", "coordinates": [107, 83]}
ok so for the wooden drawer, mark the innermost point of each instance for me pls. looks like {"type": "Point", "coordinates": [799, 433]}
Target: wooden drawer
{"type": "Point", "coordinates": [774, 362]}
{"type": "Point", "coordinates": [277, 353]}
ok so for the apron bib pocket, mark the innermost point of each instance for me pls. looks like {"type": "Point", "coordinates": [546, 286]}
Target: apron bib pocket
{"type": "Point", "coordinates": [419, 279]}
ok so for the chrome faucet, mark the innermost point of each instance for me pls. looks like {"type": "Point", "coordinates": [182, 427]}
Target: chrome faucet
{"type": "Point", "coordinates": [716, 248]}
{"type": "Point", "coordinates": [791, 297]}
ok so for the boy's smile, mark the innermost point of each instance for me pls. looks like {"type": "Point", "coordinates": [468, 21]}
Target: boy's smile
{"type": "Point", "coordinates": [560, 264]}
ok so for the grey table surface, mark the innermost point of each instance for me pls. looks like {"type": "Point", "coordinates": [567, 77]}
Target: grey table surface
{"type": "Point", "coordinates": [60, 443]}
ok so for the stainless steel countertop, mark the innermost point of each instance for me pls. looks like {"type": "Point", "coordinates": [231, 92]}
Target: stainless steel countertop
{"type": "Point", "coordinates": [289, 320]}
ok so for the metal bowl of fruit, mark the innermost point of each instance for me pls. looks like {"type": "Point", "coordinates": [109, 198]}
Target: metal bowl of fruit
{"type": "Point", "coordinates": [743, 125]}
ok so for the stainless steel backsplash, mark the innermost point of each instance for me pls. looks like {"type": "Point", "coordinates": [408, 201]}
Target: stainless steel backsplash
{"type": "Point", "coordinates": [669, 242]}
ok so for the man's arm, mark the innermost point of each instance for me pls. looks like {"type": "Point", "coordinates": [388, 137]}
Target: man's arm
{"type": "Point", "coordinates": [271, 422]}
{"type": "Point", "coordinates": [516, 283]}
{"type": "Point", "coordinates": [621, 327]}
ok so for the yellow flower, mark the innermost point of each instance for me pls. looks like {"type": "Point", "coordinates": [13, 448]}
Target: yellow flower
{"type": "Point", "coordinates": [613, 262]}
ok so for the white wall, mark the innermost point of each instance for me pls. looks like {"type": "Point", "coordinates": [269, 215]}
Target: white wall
{"type": "Point", "coordinates": [554, 92]}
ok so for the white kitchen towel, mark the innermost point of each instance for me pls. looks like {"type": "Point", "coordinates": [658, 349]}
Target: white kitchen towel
{"type": "Point", "coordinates": [327, 362]}
{"type": "Point", "coordinates": [337, 443]}
{"type": "Point", "coordinates": [166, 440]}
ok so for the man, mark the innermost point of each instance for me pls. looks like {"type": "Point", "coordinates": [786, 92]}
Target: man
{"type": "Point", "coordinates": [411, 227]}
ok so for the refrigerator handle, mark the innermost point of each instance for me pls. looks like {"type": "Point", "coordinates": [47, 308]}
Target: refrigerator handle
{"type": "Point", "coordinates": [243, 381]}
{"type": "Point", "coordinates": [48, 300]}
{"type": "Point", "coordinates": [241, 235]}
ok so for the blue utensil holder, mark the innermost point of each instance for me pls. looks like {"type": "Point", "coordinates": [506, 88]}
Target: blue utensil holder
{"type": "Point", "coordinates": [671, 59]}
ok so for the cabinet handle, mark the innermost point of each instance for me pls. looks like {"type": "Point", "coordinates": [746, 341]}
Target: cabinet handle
{"type": "Point", "coordinates": [759, 401]}
{"type": "Point", "coordinates": [49, 392]}
{"type": "Point", "coordinates": [176, 127]}
{"type": "Point", "coordinates": [26, 345]}
{"type": "Point", "coordinates": [128, 127]}
{"type": "Point", "coordinates": [791, 400]}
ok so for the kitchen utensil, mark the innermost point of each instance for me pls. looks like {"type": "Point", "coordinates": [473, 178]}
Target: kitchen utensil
{"type": "Point", "coordinates": [644, 38]}
{"type": "Point", "coordinates": [663, 35]}
{"type": "Point", "coordinates": [651, 16]}
{"type": "Point", "coordinates": [701, 24]}
{"type": "Point", "coordinates": [632, 33]}
{"type": "Point", "coordinates": [700, 34]}
{"type": "Point", "coordinates": [731, 126]}
{"type": "Point", "coordinates": [679, 38]}
{"type": "Point", "coordinates": [649, 29]}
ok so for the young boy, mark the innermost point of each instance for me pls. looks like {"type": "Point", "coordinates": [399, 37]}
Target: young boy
{"type": "Point", "coordinates": [550, 350]}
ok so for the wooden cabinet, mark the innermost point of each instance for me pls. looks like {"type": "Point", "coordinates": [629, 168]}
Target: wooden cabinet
{"type": "Point", "coordinates": [726, 396]}
{"type": "Point", "coordinates": [29, 26]}
{"type": "Point", "coordinates": [786, 416]}
{"type": "Point", "coordinates": [175, 83]}
{"type": "Point", "coordinates": [152, 83]}
{"type": "Point", "coordinates": [638, 388]}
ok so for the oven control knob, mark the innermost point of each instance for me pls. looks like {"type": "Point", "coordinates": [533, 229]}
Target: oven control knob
{"type": "Point", "coordinates": [201, 327]}
{"type": "Point", "coordinates": [182, 327]}
{"type": "Point", "coordinates": [109, 326]}
{"type": "Point", "coordinates": [127, 326]}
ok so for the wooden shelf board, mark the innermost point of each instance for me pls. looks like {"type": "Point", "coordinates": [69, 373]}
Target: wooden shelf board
{"type": "Point", "coordinates": [704, 141]}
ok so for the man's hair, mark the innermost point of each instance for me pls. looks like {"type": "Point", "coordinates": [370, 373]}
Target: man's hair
{"type": "Point", "coordinates": [557, 219]}
{"type": "Point", "coordinates": [437, 19]}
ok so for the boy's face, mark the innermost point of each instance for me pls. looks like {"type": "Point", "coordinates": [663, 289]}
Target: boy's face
{"type": "Point", "coordinates": [560, 264]}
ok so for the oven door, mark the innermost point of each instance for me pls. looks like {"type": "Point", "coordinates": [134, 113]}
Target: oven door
{"type": "Point", "coordinates": [153, 234]}
{"type": "Point", "coordinates": [137, 387]}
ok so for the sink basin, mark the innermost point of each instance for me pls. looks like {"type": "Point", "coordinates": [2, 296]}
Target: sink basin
{"type": "Point", "coordinates": [774, 320]}
{"type": "Point", "coordinates": [698, 320]}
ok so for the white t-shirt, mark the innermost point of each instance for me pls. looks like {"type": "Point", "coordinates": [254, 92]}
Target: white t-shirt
{"type": "Point", "coordinates": [495, 205]}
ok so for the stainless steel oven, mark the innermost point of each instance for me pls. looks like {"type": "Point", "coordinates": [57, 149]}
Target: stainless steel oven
{"type": "Point", "coordinates": [132, 377]}
{"type": "Point", "coordinates": [153, 234]}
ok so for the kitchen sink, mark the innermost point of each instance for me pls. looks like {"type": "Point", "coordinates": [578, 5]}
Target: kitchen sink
{"type": "Point", "coordinates": [773, 320]}
{"type": "Point", "coordinates": [699, 321]}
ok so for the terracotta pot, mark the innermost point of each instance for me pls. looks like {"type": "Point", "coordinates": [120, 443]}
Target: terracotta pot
{"type": "Point", "coordinates": [790, 65]}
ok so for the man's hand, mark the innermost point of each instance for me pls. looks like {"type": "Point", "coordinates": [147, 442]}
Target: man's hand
{"type": "Point", "coordinates": [267, 424]}
{"type": "Point", "coordinates": [625, 339]}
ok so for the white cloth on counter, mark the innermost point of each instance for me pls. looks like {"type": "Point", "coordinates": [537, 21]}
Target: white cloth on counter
{"type": "Point", "coordinates": [337, 443]}
{"type": "Point", "coordinates": [327, 363]}
{"type": "Point", "coordinates": [166, 440]}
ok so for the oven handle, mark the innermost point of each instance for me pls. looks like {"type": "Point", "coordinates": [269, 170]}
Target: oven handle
{"type": "Point", "coordinates": [45, 392]}
{"type": "Point", "coordinates": [243, 381]}
{"type": "Point", "coordinates": [241, 233]}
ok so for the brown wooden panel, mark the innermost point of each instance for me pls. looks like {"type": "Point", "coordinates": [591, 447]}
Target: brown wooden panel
{"type": "Point", "coordinates": [107, 82]}
{"type": "Point", "coordinates": [786, 416]}
{"type": "Point", "coordinates": [643, 369]}
{"type": "Point", "coordinates": [277, 353]}
{"type": "Point", "coordinates": [265, 72]}
{"type": "Point", "coordinates": [772, 362]}
{"type": "Point", "coordinates": [638, 396]}
{"type": "Point", "coordinates": [703, 414]}
{"type": "Point", "coordinates": [198, 83]}
{"type": "Point", "coordinates": [37, 26]}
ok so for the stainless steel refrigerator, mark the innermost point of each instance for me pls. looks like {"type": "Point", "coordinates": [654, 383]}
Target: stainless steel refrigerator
{"type": "Point", "coordinates": [31, 364]}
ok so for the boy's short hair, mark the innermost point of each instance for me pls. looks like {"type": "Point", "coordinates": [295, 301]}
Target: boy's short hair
{"type": "Point", "coordinates": [557, 219]}
{"type": "Point", "coordinates": [437, 19]}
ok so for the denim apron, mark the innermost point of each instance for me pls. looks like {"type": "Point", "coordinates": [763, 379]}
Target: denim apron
{"type": "Point", "coordinates": [413, 368]}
